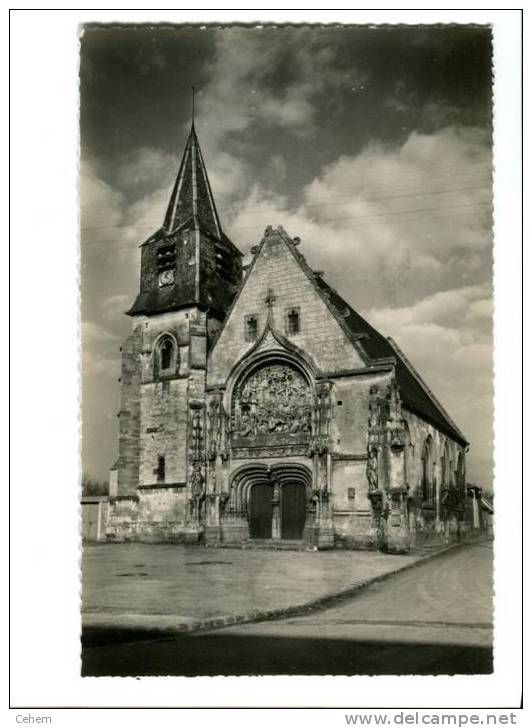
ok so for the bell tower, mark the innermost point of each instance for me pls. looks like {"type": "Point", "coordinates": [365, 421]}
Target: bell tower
{"type": "Point", "coordinates": [190, 272]}
{"type": "Point", "coordinates": [189, 261]}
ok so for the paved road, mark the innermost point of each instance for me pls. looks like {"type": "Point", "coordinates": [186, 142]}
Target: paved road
{"type": "Point", "coordinates": [152, 585]}
{"type": "Point", "coordinates": [432, 619]}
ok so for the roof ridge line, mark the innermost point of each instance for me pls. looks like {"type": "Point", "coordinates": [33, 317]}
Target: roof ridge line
{"type": "Point", "coordinates": [237, 296]}
{"type": "Point", "coordinates": [309, 272]}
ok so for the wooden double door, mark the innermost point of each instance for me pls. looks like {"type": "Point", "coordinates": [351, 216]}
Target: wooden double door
{"type": "Point", "coordinates": [292, 508]}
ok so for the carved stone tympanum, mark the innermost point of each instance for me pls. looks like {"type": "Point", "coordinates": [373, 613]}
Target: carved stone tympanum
{"type": "Point", "coordinates": [272, 404]}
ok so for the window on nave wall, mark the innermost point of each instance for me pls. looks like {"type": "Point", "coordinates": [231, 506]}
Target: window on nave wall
{"type": "Point", "coordinates": [427, 472]}
{"type": "Point", "coordinates": [460, 473]}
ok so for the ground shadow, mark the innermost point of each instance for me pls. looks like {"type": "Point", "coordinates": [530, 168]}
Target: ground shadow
{"type": "Point", "coordinates": [229, 654]}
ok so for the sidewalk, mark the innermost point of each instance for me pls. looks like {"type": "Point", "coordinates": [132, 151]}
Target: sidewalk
{"type": "Point", "coordinates": [149, 588]}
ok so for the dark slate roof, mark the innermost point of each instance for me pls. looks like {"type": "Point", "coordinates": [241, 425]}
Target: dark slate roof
{"type": "Point", "coordinates": [414, 393]}
{"type": "Point", "coordinates": [375, 348]}
{"type": "Point", "coordinates": [213, 280]}
{"type": "Point", "coordinates": [192, 195]}
{"type": "Point", "coordinates": [159, 300]}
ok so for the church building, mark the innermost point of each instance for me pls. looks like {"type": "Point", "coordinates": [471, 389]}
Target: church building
{"type": "Point", "coordinates": [259, 409]}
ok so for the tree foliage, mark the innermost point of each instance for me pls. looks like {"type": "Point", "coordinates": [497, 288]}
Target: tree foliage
{"type": "Point", "coordinates": [93, 486]}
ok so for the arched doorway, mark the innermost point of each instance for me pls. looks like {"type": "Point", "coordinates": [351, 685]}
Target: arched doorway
{"type": "Point", "coordinates": [274, 499]}
{"type": "Point", "coordinates": [293, 510]}
{"type": "Point", "coordinates": [260, 511]}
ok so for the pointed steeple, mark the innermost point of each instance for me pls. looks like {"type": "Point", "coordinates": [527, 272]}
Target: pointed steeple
{"type": "Point", "coordinates": [192, 199]}
{"type": "Point", "coordinates": [189, 261]}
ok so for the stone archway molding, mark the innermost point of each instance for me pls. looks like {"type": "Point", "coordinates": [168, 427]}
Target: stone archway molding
{"type": "Point", "coordinates": [281, 349]}
{"type": "Point", "coordinates": [245, 477]}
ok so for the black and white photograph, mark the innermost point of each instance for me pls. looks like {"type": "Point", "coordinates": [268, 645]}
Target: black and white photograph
{"type": "Point", "coordinates": [286, 290]}
{"type": "Point", "coordinates": [266, 367]}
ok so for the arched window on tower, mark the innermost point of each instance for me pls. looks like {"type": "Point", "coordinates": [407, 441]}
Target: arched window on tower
{"type": "Point", "coordinates": [167, 350]}
{"type": "Point", "coordinates": [166, 356]}
{"type": "Point", "coordinates": [427, 471]}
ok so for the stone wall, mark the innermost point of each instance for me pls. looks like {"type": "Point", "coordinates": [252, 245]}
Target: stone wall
{"type": "Point", "coordinates": [432, 520]}
{"type": "Point", "coordinates": [321, 337]}
{"type": "Point", "coordinates": [155, 427]}
{"type": "Point", "coordinates": [352, 511]}
{"type": "Point", "coordinates": [350, 411]}
{"type": "Point", "coordinates": [94, 516]}
{"type": "Point", "coordinates": [164, 431]}
{"type": "Point", "coordinates": [353, 516]}
{"type": "Point", "coordinates": [122, 518]}
{"type": "Point", "coordinates": [162, 514]}
{"type": "Point", "coordinates": [185, 416]}
{"type": "Point", "coordinates": [129, 423]}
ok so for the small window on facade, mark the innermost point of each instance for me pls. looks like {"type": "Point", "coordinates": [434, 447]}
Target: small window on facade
{"type": "Point", "coordinates": [292, 321]}
{"type": "Point", "coordinates": [251, 328]}
{"type": "Point", "coordinates": [161, 469]}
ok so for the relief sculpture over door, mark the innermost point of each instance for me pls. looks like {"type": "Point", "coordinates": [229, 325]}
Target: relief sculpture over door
{"type": "Point", "coordinates": [271, 411]}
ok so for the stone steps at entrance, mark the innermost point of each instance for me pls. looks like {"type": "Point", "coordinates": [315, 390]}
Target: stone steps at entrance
{"type": "Point", "coordinates": [276, 544]}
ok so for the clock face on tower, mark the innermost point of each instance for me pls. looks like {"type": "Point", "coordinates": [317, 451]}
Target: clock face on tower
{"type": "Point", "coordinates": [166, 278]}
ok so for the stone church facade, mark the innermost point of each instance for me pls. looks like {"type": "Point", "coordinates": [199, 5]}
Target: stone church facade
{"type": "Point", "coordinates": [258, 408]}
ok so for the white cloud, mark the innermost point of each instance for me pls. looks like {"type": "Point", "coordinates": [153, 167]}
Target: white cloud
{"type": "Point", "coordinates": [95, 365]}
{"type": "Point", "coordinates": [115, 305]}
{"type": "Point", "coordinates": [144, 169]}
{"type": "Point", "coordinates": [396, 214]}
{"type": "Point", "coordinates": [92, 332]}
{"type": "Point", "coordinates": [240, 96]}
{"type": "Point", "coordinates": [100, 204]}
{"type": "Point", "coordinates": [99, 351]}
{"type": "Point", "coordinates": [239, 93]}
{"type": "Point", "coordinates": [444, 307]}
{"type": "Point", "coordinates": [109, 221]}
{"type": "Point", "coordinates": [448, 338]}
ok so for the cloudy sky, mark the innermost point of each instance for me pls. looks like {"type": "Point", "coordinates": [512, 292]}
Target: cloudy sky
{"type": "Point", "coordinates": [371, 144]}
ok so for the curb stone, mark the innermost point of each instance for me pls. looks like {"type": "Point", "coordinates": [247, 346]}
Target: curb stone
{"type": "Point", "coordinates": [135, 633]}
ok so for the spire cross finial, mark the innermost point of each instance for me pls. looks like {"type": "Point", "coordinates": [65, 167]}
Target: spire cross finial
{"type": "Point", "coordinates": [193, 103]}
